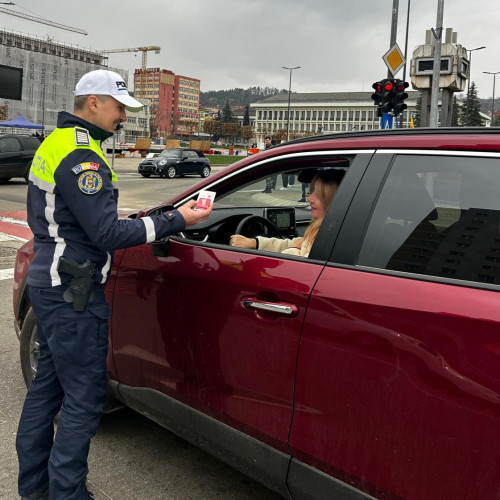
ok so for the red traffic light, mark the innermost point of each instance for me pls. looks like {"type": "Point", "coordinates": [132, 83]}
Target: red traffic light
{"type": "Point", "coordinates": [388, 85]}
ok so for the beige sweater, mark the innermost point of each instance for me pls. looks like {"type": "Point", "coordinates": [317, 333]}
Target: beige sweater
{"type": "Point", "coordinates": [284, 246]}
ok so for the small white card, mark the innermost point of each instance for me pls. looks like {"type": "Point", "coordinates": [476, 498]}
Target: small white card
{"type": "Point", "coordinates": [205, 199]}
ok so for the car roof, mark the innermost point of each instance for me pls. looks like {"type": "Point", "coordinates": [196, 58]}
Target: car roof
{"type": "Point", "coordinates": [458, 138]}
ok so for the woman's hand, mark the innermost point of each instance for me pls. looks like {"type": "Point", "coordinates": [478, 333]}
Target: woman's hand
{"type": "Point", "coordinates": [297, 244]}
{"type": "Point", "coordinates": [237, 240]}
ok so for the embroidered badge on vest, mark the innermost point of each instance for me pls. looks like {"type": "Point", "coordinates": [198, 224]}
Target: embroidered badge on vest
{"type": "Point", "coordinates": [90, 182]}
{"type": "Point", "coordinates": [82, 137]}
{"type": "Point", "coordinates": [85, 166]}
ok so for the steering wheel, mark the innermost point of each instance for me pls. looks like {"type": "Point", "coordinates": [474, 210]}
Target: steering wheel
{"type": "Point", "coordinates": [255, 225]}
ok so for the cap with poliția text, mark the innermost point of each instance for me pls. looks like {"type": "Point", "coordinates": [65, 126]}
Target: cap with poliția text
{"type": "Point", "coordinates": [104, 82]}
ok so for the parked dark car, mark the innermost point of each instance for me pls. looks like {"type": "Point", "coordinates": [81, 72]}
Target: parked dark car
{"type": "Point", "coordinates": [371, 368]}
{"type": "Point", "coordinates": [16, 154]}
{"type": "Point", "coordinates": [178, 161]}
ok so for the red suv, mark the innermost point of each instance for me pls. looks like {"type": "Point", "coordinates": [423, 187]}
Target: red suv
{"type": "Point", "coordinates": [370, 368]}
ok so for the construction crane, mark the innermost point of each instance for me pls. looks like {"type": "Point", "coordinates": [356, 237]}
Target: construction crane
{"type": "Point", "coordinates": [144, 51]}
{"type": "Point", "coordinates": [41, 20]}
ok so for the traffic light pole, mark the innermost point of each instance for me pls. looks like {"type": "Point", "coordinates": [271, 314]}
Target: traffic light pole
{"type": "Point", "coordinates": [394, 28]}
{"type": "Point", "coordinates": [436, 70]}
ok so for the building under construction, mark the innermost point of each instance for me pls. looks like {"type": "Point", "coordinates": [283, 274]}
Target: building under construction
{"type": "Point", "coordinates": [50, 73]}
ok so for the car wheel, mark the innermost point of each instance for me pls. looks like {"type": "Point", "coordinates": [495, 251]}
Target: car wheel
{"type": "Point", "coordinates": [205, 172]}
{"type": "Point", "coordinates": [30, 350]}
{"type": "Point", "coordinates": [171, 172]}
{"type": "Point", "coordinates": [146, 175]}
{"type": "Point", "coordinates": [29, 347]}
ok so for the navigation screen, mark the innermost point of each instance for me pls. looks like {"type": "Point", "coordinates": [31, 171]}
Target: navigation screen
{"type": "Point", "coordinates": [283, 220]}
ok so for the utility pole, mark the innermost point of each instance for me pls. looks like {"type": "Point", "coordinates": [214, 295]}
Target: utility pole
{"type": "Point", "coordinates": [289, 94]}
{"type": "Point", "coordinates": [436, 69]}
{"type": "Point", "coordinates": [394, 29]}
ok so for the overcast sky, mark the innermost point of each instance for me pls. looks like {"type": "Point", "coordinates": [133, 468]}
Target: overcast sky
{"type": "Point", "coordinates": [338, 44]}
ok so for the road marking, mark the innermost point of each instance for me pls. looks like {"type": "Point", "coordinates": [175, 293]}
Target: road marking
{"type": "Point", "coordinates": [6, 274]}
{"type": "Point", "coordinates": [10, 237]}
{"type": "Point", "coordinates": [10, 220]}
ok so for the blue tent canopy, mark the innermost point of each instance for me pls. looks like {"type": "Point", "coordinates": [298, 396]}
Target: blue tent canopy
{"type": "Point", "coordinates": [21, 122]}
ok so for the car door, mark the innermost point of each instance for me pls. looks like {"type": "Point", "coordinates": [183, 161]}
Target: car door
{"type": "Point", "coordinates": [188, 162]}
{"type": "Point", "coordinates": [398, 384]}
{"type": "Point", "coordinates": [11, 156]}
{"type": "Point", "coordinates": [217, 327]}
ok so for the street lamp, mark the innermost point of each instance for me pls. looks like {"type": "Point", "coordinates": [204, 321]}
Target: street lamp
{"type": "Point", "coordinates": [468, 84]}
{"type": "Point", "coordinates": [493, 99]}
{"type": "Point", "coordinates": [289, 92]}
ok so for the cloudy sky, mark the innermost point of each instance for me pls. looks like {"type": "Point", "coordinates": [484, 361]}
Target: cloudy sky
{"type": "Point", "coordinates": [338, 44]}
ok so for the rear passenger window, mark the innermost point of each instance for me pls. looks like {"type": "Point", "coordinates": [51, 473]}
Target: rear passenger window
{"type": "Point", "coordinates": [438, 216]}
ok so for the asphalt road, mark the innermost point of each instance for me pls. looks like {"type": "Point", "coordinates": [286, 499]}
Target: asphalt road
{"type": "Point", "coordinates": [131, 458]}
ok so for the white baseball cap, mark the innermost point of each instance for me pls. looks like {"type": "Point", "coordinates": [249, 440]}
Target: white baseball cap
{"type": "Point", "coordinates": [104, 82]}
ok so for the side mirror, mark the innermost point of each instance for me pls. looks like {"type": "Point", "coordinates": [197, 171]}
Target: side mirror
{"type": "Point", "coordinates": [161, 247]}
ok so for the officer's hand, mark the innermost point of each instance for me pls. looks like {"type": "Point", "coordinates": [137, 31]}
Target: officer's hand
{"type": "Point", "coordinates": [192, 217]}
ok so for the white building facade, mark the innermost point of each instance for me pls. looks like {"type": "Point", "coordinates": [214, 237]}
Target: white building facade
{"type": "Point", "coordinates": [327, 112]}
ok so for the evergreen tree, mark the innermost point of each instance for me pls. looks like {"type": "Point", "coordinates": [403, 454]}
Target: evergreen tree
{"type": "Point", "coordinates": [246, 117]}
{"type": "Point", "coordinates": [227, 114]}
{"type": "Point", "coordinates": [418, 111]}
{"type": "Point", "coordinates": [457, 118]}
{"type": "Point", "coordinates": [474, 107]}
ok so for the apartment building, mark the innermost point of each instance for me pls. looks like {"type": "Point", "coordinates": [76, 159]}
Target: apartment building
{"type": "Point", "coordinates": [175, 100]}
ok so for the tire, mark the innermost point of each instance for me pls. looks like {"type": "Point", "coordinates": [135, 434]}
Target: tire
{"type": "Point", "coordinates": [171, 172]}
{"type": "Point", "coordinates": [205, 172]}
{"type": "Point", "coordinates": [27, 174]}
{"type": "Point", "coordinates": [146, 175]}
{"type": "Point", "coordinates": [29, 351]}
{"type": "Point", "coordinates": [29, 348]}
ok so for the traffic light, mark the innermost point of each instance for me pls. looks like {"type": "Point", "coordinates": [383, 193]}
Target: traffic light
{"type": "Point", "coordinates": [388, 96]}
{"type": "Point", "coordinates": [377, 95]}
{"type": "Point", "coordinates": [399, 96]}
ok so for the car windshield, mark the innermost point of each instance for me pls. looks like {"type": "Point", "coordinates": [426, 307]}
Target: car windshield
{"type": "Point", "coordinates": [170, 153]}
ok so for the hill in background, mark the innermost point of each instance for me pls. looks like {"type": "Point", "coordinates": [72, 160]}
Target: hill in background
{"type": "Point", "coordinates": [237, 97]}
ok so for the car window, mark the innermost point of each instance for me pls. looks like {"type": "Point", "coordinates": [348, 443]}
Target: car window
{"type": "Point", "coordinates": [170, 153]}
{"type": "Point", "coordinates": [190, 154]}
{"type": "Point", "coordinates": [9, 145]}
{"type": "Point", "coordinates": [438, 216]}
{"type": "Point", "coordinates": [253, 195]}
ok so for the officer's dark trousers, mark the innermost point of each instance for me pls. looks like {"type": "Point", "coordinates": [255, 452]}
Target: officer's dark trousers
{"type": "Point", "coordinates": [71, 379]}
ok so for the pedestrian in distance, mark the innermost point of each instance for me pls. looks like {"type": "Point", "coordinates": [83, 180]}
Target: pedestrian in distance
{"type": "Point", "coordinates": [270, 181]}
{"type": "Point", "coordinates": [72, 212]}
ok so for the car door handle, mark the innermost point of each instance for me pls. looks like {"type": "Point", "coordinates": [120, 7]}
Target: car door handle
{"type": "Point", "coordinates": [275, 307]}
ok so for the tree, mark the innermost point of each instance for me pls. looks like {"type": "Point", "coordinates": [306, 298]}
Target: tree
{"type": "Point", "coordinates": [457, 118]}
{"type": "Point", "coordinates": [227, 114]}
{"type": "Point", "coordinates": [418, 111]}
{"type": "Point", "coordinates": [246, 132]}
{"type": "Point", "coordinates": [230, 129]}
{"type": "Point", "coordinates": [246, 117]}
{"type": "Point", "coordinates": [474, 107]}
{"type": "Point", "coordinates": [211, 127]}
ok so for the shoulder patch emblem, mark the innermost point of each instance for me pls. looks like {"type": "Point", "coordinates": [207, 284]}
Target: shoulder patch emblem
{"type": "Point", "coordinates": [85, 166]}
{"type": "Point", "coordinates": [82, 137]}
{"type": "Point", "coordinates": [90, 182]}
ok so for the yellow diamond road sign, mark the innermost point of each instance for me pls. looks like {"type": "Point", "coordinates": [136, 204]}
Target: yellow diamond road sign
{"type": "Point", "coordinates": [394, 59]}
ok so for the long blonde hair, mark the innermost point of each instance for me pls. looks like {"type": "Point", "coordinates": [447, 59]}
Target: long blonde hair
{"type": "Point", "coordinates": [325, 184]}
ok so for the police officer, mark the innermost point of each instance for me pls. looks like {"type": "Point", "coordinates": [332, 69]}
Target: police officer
{"type": "Point", "coordinates": [72, 212]}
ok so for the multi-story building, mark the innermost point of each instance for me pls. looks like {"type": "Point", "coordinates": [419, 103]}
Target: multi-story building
{"type": "Point", "coordinates": [175, 100]}
{"type": "Point", "coordinates": [50, 73]}
{"type": "Point", "coordinates": [320, 112]}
